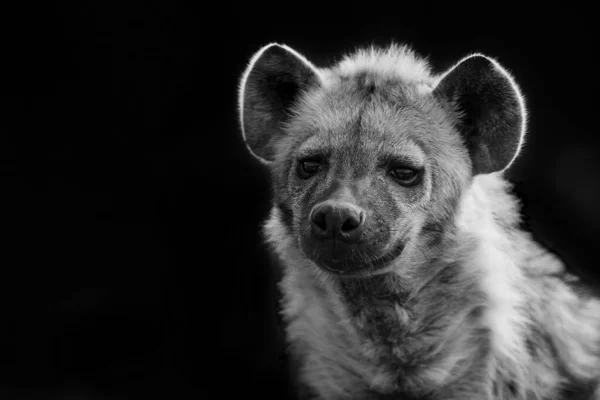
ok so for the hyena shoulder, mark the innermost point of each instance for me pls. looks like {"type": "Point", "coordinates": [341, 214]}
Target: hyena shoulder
{"type": "Point", "coordinates": [405, 273]}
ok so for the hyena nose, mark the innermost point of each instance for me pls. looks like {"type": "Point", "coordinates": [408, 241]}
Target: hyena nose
{"type": "Point", "coordinates": [339, 220]}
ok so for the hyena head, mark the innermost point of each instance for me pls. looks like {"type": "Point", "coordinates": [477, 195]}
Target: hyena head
{"type": "Point", "coordinates": [369, 158]}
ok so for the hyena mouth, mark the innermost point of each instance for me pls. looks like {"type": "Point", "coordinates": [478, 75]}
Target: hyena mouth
{"type": "Point", "coordinates": [351, 260]}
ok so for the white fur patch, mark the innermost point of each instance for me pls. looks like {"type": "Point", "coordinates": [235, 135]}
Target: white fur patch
{"type": "Point", "coordinates": [500, 276]}
{"type": "Point", "coordinates": [396, 60]}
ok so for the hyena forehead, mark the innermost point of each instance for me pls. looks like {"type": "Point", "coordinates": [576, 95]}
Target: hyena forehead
{"type": "Point", "coordinates": [369, 115]}
{"type": "Point", "coordinates": [363, 132]}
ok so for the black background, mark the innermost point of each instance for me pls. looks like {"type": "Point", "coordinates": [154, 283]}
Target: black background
{"type": "Point", "coordinates": [131, 262]}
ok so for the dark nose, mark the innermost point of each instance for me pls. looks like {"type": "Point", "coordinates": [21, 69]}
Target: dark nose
{"type": "Point", "coordinates": [336, 219]}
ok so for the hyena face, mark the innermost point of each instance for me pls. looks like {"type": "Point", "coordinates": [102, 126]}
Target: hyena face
{"type": "Point", "coordinates": [367, 163]}
{"type": "Point", "coordinates": [357, 168]}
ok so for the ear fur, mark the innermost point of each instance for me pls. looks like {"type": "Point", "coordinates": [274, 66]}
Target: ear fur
{"type": "Point", "coordinates": [490, 108]}
{"type": "Point", "coordinates": [270, 86]}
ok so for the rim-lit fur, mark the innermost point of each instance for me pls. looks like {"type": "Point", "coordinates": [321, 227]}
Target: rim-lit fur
{"type": "Point", "coordinates": [473, 308]}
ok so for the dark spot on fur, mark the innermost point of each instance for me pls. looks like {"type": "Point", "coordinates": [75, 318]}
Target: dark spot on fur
{"type": "Point", "coordinates": [394, 93]}
{"type": "Point", "coordinates": [365, 83]}
{"type": "Point", "coordinates": [512, 388]}
{"type": "Point", "coordinates": [530, 344]}
{"type": "Point", "coordinates": [433, 232]}
{"type": "Point", "coordinates": [287, 216]}
{"type": "Point", "coordinates": [448, 276]}
{"type": "Point", "coordinates": [577, 391]}
{"type": "Point", "coordinates": [495, 390]}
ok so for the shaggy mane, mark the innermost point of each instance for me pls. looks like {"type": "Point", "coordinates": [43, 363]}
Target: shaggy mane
{"type": "Point", "coordinates": [398, 61]}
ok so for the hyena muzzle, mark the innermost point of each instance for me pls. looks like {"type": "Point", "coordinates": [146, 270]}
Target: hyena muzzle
{"type": "Point", "coordinates": [405, 271]}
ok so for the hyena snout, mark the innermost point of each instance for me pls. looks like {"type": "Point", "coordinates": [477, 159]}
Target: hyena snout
{"type": "Point", "coordinates": [338, 220]}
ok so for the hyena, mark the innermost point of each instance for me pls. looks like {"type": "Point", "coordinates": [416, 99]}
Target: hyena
{"type": "Point", "coordinates": [406, 272]}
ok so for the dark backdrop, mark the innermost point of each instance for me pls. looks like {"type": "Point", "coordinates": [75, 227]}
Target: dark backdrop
{"type": "Point", "coordinates": [131, 262]}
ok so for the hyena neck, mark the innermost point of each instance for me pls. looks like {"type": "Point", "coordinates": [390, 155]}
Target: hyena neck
{"type": "Point", "coordinates": [425, 324]}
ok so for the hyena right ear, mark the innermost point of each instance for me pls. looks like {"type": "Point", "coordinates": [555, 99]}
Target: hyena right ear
{"type": "Point", "coordinates": [490, 109]}
{"type": "Point", "coordinates": [273, 81]}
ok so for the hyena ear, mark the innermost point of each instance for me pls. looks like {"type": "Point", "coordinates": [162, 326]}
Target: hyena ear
{"type": "Point", "coordinates": [491, 111]}
{"type": "Point", "coordinates": [272, 83]}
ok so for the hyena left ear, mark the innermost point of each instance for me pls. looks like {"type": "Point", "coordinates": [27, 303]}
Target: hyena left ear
{"type": "Point", "coordinates": [272, 83]}
{"type": "Point", "coordinates": [491, 111]}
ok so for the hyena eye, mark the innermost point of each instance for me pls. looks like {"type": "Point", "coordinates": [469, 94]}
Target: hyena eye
{"type": "Point", "coordinates": [405, 176]}
{"type": "Point", "coordinates": [308, 168]}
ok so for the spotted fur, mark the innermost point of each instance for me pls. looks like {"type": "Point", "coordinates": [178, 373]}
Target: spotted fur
{"type": "Point", "coordinates": [449, 299]}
